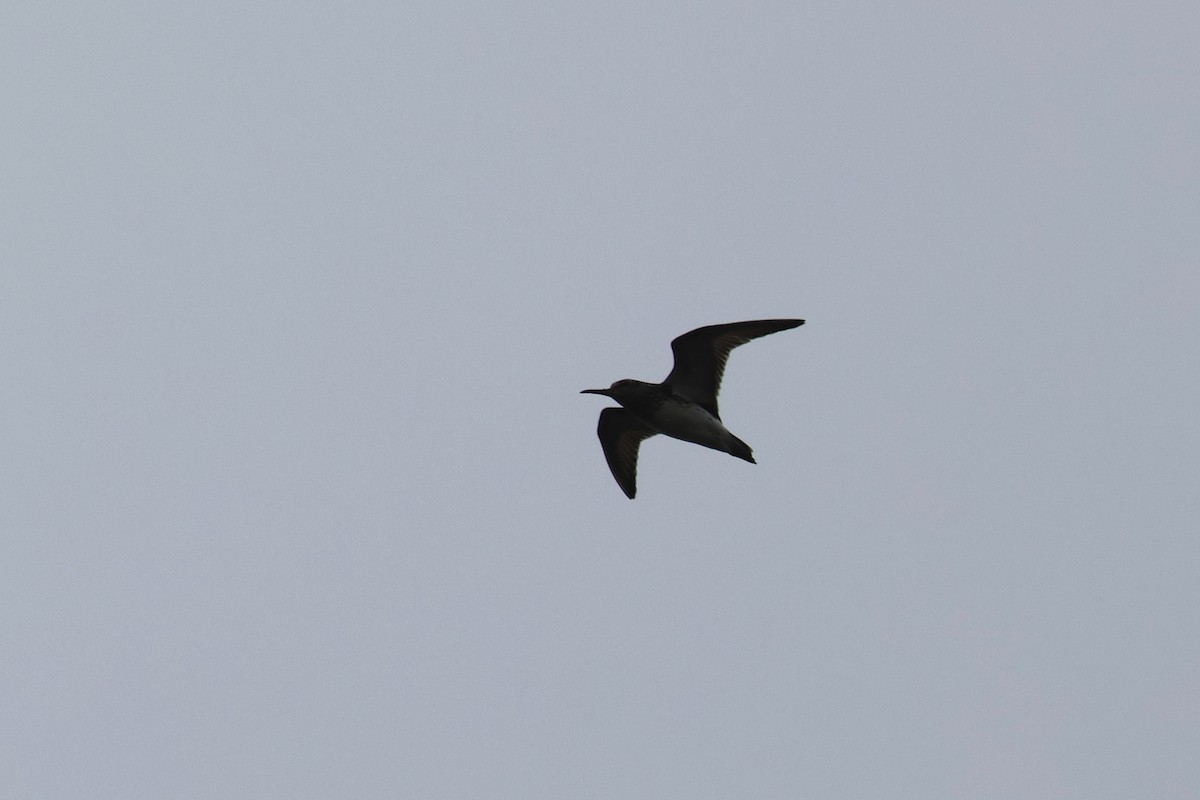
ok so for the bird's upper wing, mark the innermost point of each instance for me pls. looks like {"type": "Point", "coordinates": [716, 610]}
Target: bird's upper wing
{"type": "Point", "coordinates": [620, 435]}
{"type": "Point", "coordinates": [700, 357]}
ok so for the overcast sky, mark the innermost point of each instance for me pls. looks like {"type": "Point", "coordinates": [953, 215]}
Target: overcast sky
{"type": "Point", "coordinates": [300, 499]}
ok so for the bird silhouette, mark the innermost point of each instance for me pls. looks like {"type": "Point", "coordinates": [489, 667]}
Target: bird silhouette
{"type": "Point", "coordinates": [684, 406]}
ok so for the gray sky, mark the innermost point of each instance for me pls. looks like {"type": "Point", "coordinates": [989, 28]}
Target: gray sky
{"type": "Point", "coordinates": [300, 499]}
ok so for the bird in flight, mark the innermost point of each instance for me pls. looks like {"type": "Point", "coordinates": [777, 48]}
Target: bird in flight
{"type": "Point", "coordinates": [684, 406]}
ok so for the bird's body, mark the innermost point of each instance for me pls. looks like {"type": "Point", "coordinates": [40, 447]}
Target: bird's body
{"type": "Point", "coordinates": [676, 416]}
{"type": "Point", "coordinates": [684, 406]}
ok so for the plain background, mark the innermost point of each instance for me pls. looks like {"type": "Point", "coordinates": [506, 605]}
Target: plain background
{"type": "Point", "coordinates": [300, 499]}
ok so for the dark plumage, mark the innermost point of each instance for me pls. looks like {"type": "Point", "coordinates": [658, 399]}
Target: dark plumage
{"type": "Point", "coordinates": [683, 406]}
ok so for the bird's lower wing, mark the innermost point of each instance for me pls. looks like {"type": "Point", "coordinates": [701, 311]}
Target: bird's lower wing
{"type": "Point", "coordinates": [620, 435]}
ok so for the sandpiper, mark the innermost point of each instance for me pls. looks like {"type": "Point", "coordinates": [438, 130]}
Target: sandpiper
{"type": "Point", "coordinates": [684, 406]}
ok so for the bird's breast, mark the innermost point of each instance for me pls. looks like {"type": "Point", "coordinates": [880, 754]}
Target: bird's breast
{"type": "Point", "coordinates": [688, 421]}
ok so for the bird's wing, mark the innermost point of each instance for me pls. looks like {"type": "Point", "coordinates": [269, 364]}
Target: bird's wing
{"type": "Point", "coordinates": [620, 434]}
{"type": "Point", "coordinates": [700, 357]}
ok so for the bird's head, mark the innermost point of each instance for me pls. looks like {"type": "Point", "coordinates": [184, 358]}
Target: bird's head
{"type": "Point", "coordinates": [619, 390]}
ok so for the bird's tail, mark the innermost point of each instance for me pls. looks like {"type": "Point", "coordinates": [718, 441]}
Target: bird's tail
{"type": "Point", "coordinates": [740, 449]}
